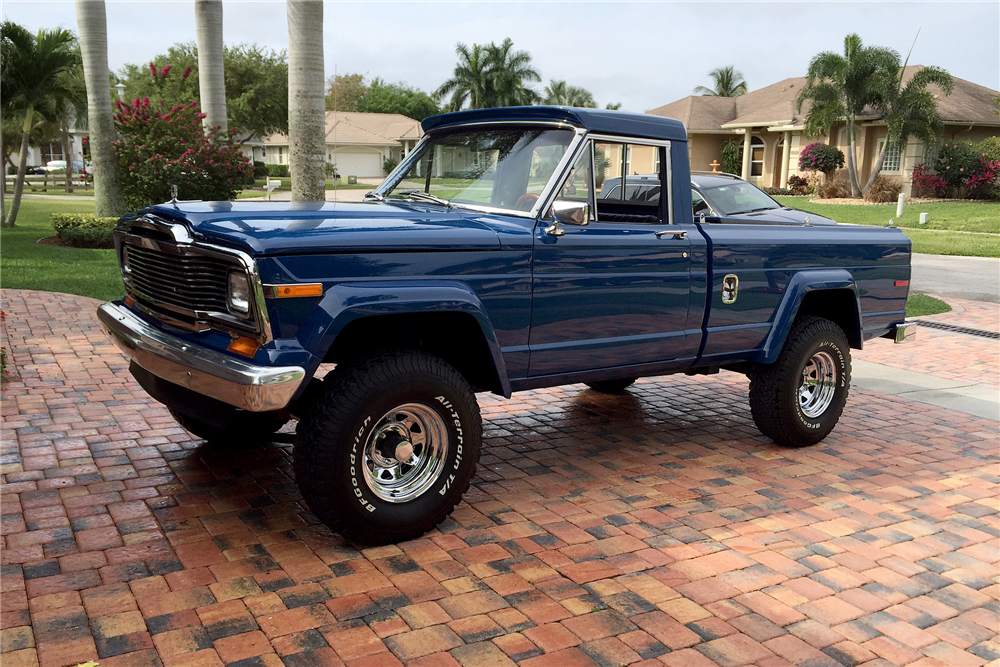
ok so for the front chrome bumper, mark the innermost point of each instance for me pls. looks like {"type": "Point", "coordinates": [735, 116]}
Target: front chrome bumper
{"type": "Point", "coordinates": [205, 371]}
{"type": "Point", "coordinates": [905, 332]}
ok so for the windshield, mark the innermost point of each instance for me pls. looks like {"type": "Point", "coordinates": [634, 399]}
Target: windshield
{"type": "Point", "coordinates": [739, 197]}
{"type": "Point", "coordinates": [503, 167]}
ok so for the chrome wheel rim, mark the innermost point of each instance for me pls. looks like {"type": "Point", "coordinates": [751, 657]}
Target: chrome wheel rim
{"type": "Point", "coordinates": [405, 453]}
{"type": "Point", "coordinates": [819, 383]}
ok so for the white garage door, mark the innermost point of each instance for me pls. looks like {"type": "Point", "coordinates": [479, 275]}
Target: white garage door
{"type": "Point", "coordinates": [366, 164]}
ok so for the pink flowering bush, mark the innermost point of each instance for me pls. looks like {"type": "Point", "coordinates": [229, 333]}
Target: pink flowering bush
{"type": "Point", "coordinates": [927, 183]}
{"type": "Point", "coordinates": [821, 157]}
{"type": "Point", "coordinates": [158, 147]}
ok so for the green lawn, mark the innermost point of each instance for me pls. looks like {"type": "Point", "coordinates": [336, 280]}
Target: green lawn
{"type": "Point", "coordinates": [954, 228]}
{"type": "Point", "coordinates": [26, 265]}
{"type": "Point", "coordinates": [919, 305]}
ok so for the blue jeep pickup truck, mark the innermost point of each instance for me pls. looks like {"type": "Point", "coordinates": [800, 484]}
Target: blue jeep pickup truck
{"type": "Point", "coordinates": [486, 262]}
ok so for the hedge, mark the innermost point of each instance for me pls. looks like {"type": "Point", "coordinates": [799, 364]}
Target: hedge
{"type": "Point", "coordinates": [83, 230]}
{"type": "Point", "coordinates": [277, 170]}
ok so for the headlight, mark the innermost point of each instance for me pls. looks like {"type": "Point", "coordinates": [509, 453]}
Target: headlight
{"type": "Point", "coordinates": [239, 292]}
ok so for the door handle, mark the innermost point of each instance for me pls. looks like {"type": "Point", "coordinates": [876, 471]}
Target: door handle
{"type": "Point", "coordinates": [676, 235]}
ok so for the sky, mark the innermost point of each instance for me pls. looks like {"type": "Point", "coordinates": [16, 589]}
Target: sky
{"type": "Point", "coordinates": [641, 54]}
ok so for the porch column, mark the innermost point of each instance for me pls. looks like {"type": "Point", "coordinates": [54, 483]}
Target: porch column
{"type": "Point", "coordinates": [786, 156]}
{"type": "Point", "coordinates": [746, 153]}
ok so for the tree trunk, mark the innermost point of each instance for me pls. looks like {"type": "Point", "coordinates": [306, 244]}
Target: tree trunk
{"type": "Point", "coordinates": [852, 167]}
{"type": "Point", "coordinates": [3, 187]}
{"type": "Point", "coordinates": [306, 103]}
{"type": "Point", "coordinates": [92, 22]}
{"type": "Point", "coordinates": [211, 73]}
{"type": "Point", "coordinates": [67, 153]}
{"type": "Point", "coordinates": [22, 167]}
{"type": "Point", "coordinates": [877, 167]}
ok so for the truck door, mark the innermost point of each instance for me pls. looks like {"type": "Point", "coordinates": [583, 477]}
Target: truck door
{"type": "Point", "coordinates": [615, 292]}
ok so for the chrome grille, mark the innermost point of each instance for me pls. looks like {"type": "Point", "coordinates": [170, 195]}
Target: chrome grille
{"type": "Point", "coordinates": [191, 282]}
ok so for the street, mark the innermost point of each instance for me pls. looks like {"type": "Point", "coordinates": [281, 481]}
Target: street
{"type": "Point", "coordinates": [976, 278]}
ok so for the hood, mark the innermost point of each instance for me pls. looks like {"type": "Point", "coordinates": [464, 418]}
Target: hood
{"type": "Point", "coordinates": [279, 228]}
{"type": "Point", "coordinates": [784, 214]}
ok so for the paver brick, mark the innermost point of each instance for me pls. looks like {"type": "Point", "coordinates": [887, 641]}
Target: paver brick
{"type": "Point", "coordinates": [605, 533]}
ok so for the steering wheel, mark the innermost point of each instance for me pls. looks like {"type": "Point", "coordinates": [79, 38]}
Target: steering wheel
{"type": "Point", "coordinates": [527, 198]}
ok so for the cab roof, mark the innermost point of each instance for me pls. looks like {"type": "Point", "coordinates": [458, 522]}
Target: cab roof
{"type": "Point", "coordinates": [594, 120]}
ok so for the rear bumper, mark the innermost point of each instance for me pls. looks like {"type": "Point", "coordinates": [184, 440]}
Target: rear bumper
{"type": "Point", "coordinates": [204, 371]}
{"type": "Point", "coordinates": [904, 332]}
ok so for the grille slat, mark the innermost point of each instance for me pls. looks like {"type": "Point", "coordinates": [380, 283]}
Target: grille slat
{"type": "Point", "coordinates": [188, 282]}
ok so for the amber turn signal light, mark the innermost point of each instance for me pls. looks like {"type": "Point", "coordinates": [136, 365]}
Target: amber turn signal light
{"type": "Point", "coordinates": [901, 283]}
{"type": "Point", "coordinates": [128, 301]}
{"type": "Point", "coordinates": [244, 346]}
{"type": "Point", "coordinates": [286, 291]}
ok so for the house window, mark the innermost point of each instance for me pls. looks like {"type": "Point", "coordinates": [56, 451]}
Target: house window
{"type": "Point", "coordinates": [892, 157]}
{"type": "Point", "coordinates": [756, 156]}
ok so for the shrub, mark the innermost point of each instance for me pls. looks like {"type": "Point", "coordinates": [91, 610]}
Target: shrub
{"type": "Point", "coordinates": [83, 230]}
{"type": "Point", "coordinates": [926, 184]}
{"type": "Point", "coordinates": [158, 147]}
{"type": "Point", "coordinates": [957, 161]}
{"type": "Point", "coordinates": [838, 187]}
{"type": "Point", "coordinates": [980, 184]}
{"type": "Point", "coordinates": [883, 190]}
{"type": "Point", "coordinates": [799, 185]}
{"type": "Point", "coordinates": [277, 170]}
{"type": "Point", "coordinates": [731, 157]}
{"type": "Point", "coordinates": [331, 169]}
{"type": "Point", "coordinates": [259, 169]}
{"type": "Point", "coordinates": [779, 191]}
{"type": "Point", "coordinates": [388, 165]}
{"type": "Point", "coordinates": [820, 157]}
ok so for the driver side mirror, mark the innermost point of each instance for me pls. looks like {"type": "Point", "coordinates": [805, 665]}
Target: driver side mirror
{"type": "Point", "coordinates": [571, 212]}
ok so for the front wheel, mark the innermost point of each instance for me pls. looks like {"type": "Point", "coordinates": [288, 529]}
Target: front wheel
{"type": "Point", "coordinates": [797, 400]}
{"type": "Point", "coordinates": [390, 446]}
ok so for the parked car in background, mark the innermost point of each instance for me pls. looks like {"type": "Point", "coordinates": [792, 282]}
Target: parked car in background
{"type": "Point", "coordinates": [720, 195]}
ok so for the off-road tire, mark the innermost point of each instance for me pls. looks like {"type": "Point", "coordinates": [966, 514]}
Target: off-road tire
{"type": "Point", "coordinates": [774, 388]}
{"type": "Point", "coordinates": [245, 429]}
{"type": "Point", "coordinates": [611, 386]}
{"type": "Point", "coordinates": [334, 436]}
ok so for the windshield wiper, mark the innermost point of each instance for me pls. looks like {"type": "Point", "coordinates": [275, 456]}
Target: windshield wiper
{"type": "Point", "coordinates": [755, 210]}
{"type": "Point", "coordinates": [371, 194]}
{"type": "Point", "coordinates": [425, 196]}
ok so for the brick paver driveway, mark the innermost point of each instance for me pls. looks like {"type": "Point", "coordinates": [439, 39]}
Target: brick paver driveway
{"type": "Point", "coordinates": [655, 527]}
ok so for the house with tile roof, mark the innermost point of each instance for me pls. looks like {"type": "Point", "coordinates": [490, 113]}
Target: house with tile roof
{"type": "Point", "coordinates": [358, 143]}
{"type": "Point", "coordinates": [770, 130]}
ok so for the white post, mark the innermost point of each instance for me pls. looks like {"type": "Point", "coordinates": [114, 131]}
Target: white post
{"type": "Point", "coordinates": [900, 202]}
{"type": "Point", "coordinates": [786, 157]}
{"type": "Point", "coordinates": [746, 153]}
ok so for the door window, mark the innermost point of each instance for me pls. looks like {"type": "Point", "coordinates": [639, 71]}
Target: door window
{"type": "Point", "coordinates": [629, 179]}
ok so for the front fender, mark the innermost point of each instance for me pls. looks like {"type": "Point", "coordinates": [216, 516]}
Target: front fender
{"type": "Point", "coordinates": [347, 302]}
{"type": "Point", "coordinates": [801, 284]}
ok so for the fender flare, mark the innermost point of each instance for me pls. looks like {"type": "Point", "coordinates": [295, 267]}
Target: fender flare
{"type": "Point", "coordinates": [801, 284]}
{"type": "Point", "coordinates": [346, 302]}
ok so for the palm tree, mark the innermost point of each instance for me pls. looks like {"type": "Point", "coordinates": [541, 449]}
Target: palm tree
{"type": "Point", "coordinates": [306, 104]}
{"type": "Point", "coordinates": [92, 22]}
{"type": "Point", "coordinates": [470, 80]}
{"type": "Point", "coordinates": [490, 76]}
{"type": "Point", "coordinates": [728, 83]}
{"type": "Point", "coordinates": [510, 71]}
{"type": "Point", "coordinates": [911, 109]}
{"type": "Point", "coordinates": [839, 87]}
{"type": "Point", "coordinates": [211, 74]}
{"type": "Point", "coordinates": [33, 67]}
{"type": "Point", "coordinates": [558, 93]}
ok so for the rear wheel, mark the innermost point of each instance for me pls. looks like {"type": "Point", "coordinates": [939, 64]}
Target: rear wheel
{"type": "Point", "coordinates": [797, 400]}
{"type": "Point", "coordinates": [611, 386]}
{"type": "Point", "coordinates": [244, 429]}
{"type": "Point", "coordinates": [389, 446]}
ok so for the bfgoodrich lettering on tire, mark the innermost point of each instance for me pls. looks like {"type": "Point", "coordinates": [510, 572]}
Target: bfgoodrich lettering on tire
{"type": "Point", "coordinates": [389, 447]}
{"type": "Point", "coordinates": [797, 400]}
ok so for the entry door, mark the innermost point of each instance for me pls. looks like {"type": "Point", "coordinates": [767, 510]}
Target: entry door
{"type": "Point", "coordinates": [612, 293]}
